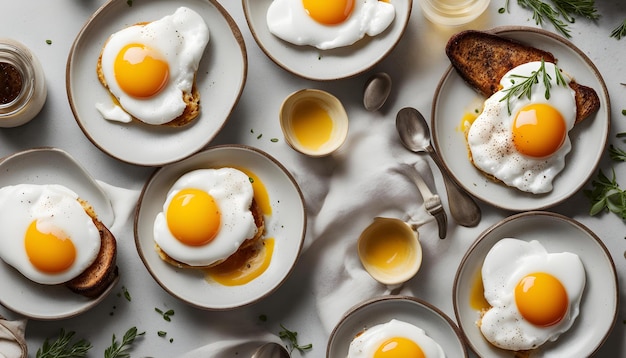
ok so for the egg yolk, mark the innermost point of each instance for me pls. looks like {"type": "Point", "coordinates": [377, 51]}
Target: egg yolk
{"type": "Point", "coordinates": [328, 12]}
{"type": "Point", "coordinates": [399, 347]}
{"type": "Point", "coordinates": [387, 248]}
{"type": "Point", "coordinates": [140, 71]}
{"type": "Point", "coordinates": [193, 217]}
{"type": "Point", "coordinates": [49, 252]}
{"type": "Point", "coordinates": [538, 130]}
{"type": "Point", "coordinates": [261, 196]}
{"type": "Point", "coordinates": [541, 299]}
{"type": "Point", "coordinates": [311, 123]}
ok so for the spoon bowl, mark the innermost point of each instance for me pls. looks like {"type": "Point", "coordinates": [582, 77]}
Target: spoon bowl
{"type": "Point", "coordinates": [271, 350]}
{"type": "Point", "coordinates": [415, 135]}
{"type": "Point", "coordinates": [376, 91]}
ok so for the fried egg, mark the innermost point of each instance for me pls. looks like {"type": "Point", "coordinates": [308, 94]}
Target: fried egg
{"type": "Point", "coordinates": [394, 339]}
{"type": "Point", "coordinates": [206, 216]}
{"type": "Point", "coordinates": [534, 295]}
{"type": "Point", "coordinates": [328, 24]}
{"type": "Point", "coordinates": [45, 233]}
{"type": "Point", "coordinates": [148, 67]}
{"type": "Point", "coordinates": [523, 142]}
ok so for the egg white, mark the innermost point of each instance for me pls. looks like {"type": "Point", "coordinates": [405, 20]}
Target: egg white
{"type": "Point", "coordinates": [508, 261]}
{"type": "Point", "coordinates": [490, 137]}
{"type": "Point", "coordinates": [233, 194]}
{"type": "Point", "coordinates": [181, 39]}
{"type": "Point", "coordinates": [364, 345]}
{"type": "Point", "coordinates": [288, 20]}
{"type": "Point", "coordinates": [54, 207]}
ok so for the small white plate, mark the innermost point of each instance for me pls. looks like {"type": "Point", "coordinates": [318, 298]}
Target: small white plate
{"type": "Point", "coordinates": [220, 79]}
{"type": "Point", "coordinates": [424, 315]}
{"type": "Point", "coordinates": [324, 65]}
{"type": "Point", "coordinates": [454, 97]}
{"type": "Point", "coordinates": [49, 166]}
{"type": "Point", "coordinates": [287, 225]}
{"type": "Point", "coordinates": [557, 233]}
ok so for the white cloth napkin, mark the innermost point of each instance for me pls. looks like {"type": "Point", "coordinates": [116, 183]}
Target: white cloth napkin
{"type": "Point", "coordinates": [12, 342]}
{"type": "Point", "coordinates": [367, 180]}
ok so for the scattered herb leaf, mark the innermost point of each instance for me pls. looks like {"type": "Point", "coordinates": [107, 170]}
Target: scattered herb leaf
{"type": "Point", "coordinates": [263, 318]}
{"type": "Point", "coordinates": [259, 136]}
{"type": "Point", "coordinates": [617, 154]}
{"type": "Point", "coordinates": [126, 294]}
{"type": "Point", "coordinates": [129, 3]}
{"type": "Point", "coordinates": [119, 350]}
{"type": "Point", "coordinates": [606, 195]}
{"type": "Point", "coordinates": [166, 315]}
{"type": "Point", "coordinates": [62, 347]}
{"type": "Point", "coordinates": [49, 42]}
{"type": "Point", "coordinates": [292, 337]}
{"type": "Point", "coordinates": [274, 140]}
{"type": "Point", "coordinates": [619, 31]}
{"type": "Point", "coordinates": [162, 333]}
{"type": "Point", "coordinates": [623, 112]}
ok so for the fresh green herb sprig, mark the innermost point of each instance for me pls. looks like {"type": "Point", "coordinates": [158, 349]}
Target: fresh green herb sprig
{"type": "Point", "coordinates": [606, 195]}
{"type": "Point", "coordinates": [619, 31]}
{"type": "Point", "coordinates": [560, 14]}
{"type": "Point", "coordinates": [63, 347]}
{"type": "Point", "coordinates": [120, 349]}
{"type": "Point", "coordinates": [524, 87]}
{"type": "Point", "coordinates": [292, 337]}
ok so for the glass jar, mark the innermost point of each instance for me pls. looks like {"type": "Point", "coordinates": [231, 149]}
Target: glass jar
{"type": "Point", "coordinates": [453, 12]}
{"type": "Point", "coordinates": [22, 84]}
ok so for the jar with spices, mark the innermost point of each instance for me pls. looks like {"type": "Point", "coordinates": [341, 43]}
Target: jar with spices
{"type": "Point", "coordinates": [22, 84]}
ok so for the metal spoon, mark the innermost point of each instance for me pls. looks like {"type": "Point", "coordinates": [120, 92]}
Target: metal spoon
{"type": "Point", "coordinates": [415, 136]}
{"type": "Point", "coordinates": [376, 91]}
{"type": "Point", "coordinates": [271, 350]}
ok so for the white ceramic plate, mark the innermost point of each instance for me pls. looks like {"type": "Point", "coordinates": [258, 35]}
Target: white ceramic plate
{"type": "Point", "coordinates": [557, 233]}
{"type": "Point", "coordinates": [435, 323]}
{"type": "Point", "coordinates": [454, 97]}
{"type": "Point", "coordinates": [323, 65]}
{"type": "Point", "coordinates": [220, 79]}
{"type": "Point", "coordinates": [286, 225]}
{"type": "Point", "coordinates": [49, 166]}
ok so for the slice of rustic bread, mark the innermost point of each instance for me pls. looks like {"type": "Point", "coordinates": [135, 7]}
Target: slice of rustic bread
{"type": "Point", "coordinates": [483, 58]}
{"type": "Point", "coordinates": [100, 275]}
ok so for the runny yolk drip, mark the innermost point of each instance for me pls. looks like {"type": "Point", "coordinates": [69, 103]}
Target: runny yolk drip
{"type": "Point", "coordinates": [312, 125]}
{"type": "Point", "coordinates": [399, 347]}
{"type": "Point", "coordinates": [193, 217]}
{"type": "Point", "coordinates": [328, 12]}
{"type": "Point", "coordinates": [538, 130]}
{"type": "Point", "coordinates": [387, 248]}
{"type": "Point", "coordinates": [140, 71]}
{"type": "Point", "coordinates": [49, 252]}
{"type": "Point", "coordinates": [541, 299]}
{"type": "Point", "coordinates": [477, 294]}
{"type": "Point", "coordinates": [244, 265]}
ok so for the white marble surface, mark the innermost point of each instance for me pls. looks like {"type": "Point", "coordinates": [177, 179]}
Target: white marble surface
{"type": "Point", "coordinates": [415, 65]}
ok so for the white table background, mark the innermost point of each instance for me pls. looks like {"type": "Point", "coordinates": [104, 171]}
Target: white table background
{"type": "Point", "coordinates": [416, 66]}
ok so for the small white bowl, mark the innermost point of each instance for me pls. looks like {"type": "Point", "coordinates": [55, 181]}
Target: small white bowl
{"type": "Point", "coordinates": [384, 229]}
{"type": "Point", "coordinates": [325, 101]}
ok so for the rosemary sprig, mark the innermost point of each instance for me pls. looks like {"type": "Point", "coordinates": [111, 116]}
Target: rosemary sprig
{"type": "Point", "coordinates": [292, 337]}
{"type": "Point", "coordinates": [619, 31]}
{"type": "Point", "coordinates": [524, 87]}
{"type": "Point", "coordinates": [62, 347]}
{"type": "Point", "coordinates": [560, 14]}
{"type": "Point", "coordinates": [119, 350]}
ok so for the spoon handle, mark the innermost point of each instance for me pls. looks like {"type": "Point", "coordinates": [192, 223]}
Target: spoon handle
{"type": "Point", "coordinates": [463, 208]}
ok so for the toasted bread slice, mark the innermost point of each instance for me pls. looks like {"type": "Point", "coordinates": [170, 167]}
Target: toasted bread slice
{"type": "Point", "coordinates": [259, 221]}
{"type": "Point", "coordinates": [483, 58]}
{"type": "Point", "coordinates": [103, 271]}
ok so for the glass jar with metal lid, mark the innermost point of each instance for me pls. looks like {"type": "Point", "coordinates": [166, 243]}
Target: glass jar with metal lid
{"type": "Point", "coordinates": [22, 84]}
